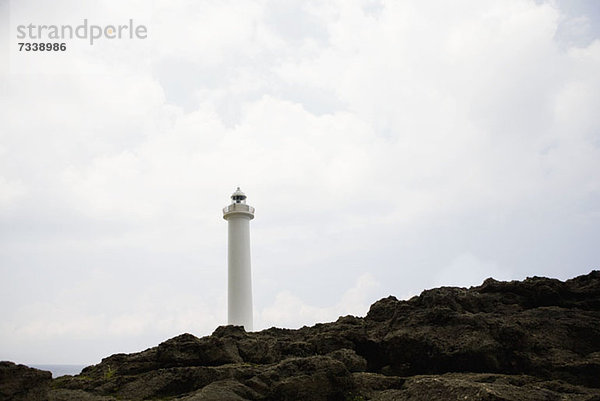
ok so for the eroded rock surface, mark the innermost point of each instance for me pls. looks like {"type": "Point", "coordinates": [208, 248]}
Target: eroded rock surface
{"type": "Point", "coordinates": [22, 383]}
{"type": "Point", "coordinates": [538, 339]}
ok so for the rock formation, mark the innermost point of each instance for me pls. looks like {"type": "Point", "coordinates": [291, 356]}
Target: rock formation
{"type": "Point", "coordinates": [538, 339]}
{"type": "Point", "coordinates": [22, 383]}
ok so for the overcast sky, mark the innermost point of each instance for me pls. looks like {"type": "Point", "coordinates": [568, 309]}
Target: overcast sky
{"type": "Point", "coordinates": [387, 146]}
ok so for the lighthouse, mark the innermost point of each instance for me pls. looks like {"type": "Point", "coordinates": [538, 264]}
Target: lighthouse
{"type": "Point", "coordinates": [239, 285]}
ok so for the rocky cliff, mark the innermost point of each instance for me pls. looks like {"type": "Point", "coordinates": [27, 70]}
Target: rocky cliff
{"type": "Point", "coordinates": [538, 339]}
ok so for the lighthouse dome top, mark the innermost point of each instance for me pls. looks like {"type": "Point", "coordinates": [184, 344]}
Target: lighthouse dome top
{"type": "Point", "coordinates": [238, 196]}
{"type": "Point", "coordinates": [238, 207]}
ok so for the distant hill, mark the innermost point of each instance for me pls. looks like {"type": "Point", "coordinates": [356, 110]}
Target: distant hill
{"type": "Point", "coordinates": [537, 339]}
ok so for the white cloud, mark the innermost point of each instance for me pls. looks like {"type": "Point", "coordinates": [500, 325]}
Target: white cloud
{"type": "Point", "coordinates": [10, 193]}
{"type": "Point", "coordinates": [416, 140]}
{"type": "Point", "coordinates": [467, 270]}
{"type": "Point", "coordinates": [290, 311]}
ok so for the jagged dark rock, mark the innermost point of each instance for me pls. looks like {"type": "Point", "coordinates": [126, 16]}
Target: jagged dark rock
{"type": "Point", "coordinates": [537, 339]}
{"type": "Point", "coordinates": [22, 383]}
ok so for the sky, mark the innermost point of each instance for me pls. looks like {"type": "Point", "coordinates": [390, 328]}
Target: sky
{"type": "Point", "coordinates": [387, 146]}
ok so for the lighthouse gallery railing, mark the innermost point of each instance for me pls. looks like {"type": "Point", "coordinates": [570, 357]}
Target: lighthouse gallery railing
{"type": "Point", "coordinates": [238, 207]}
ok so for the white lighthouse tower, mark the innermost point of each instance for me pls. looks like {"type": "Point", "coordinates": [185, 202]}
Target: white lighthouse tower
{"type": "Point", "coordinates": [239, 291]}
